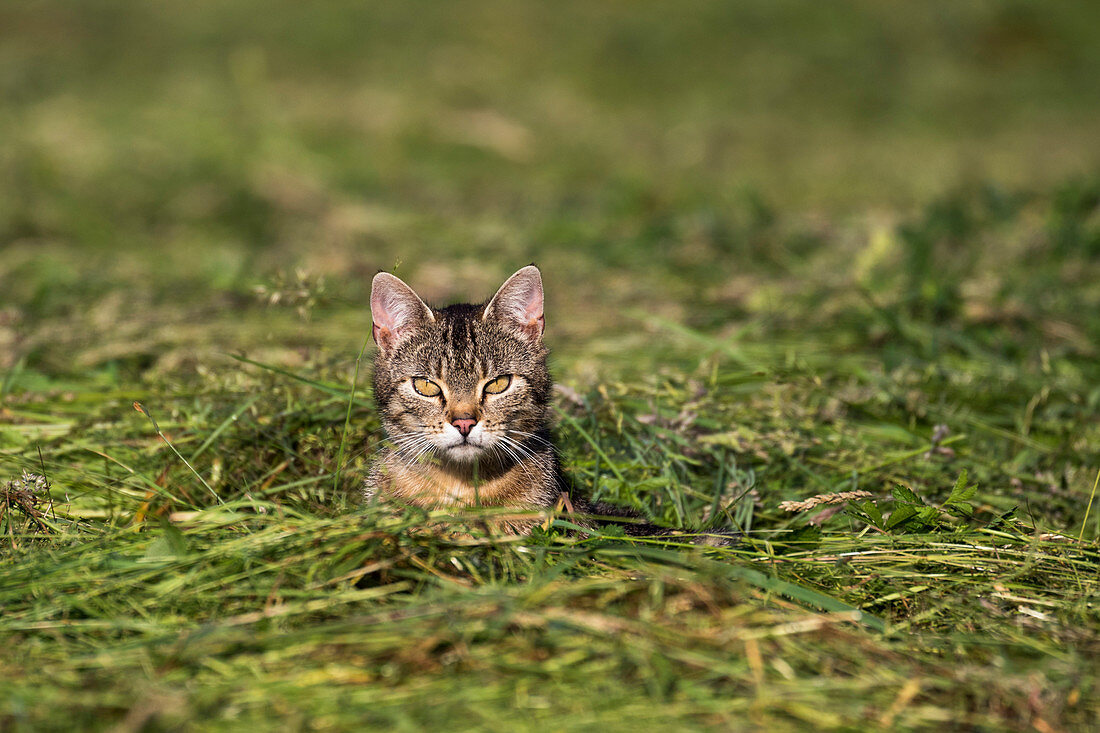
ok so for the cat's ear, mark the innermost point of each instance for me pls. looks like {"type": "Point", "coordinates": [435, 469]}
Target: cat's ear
{"type": "Point", "coordinates": [519, 304]}
{"type": "Point", "coordinates": [396, 311]}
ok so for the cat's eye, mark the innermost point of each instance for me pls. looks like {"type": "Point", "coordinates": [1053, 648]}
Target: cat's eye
{"type": "Point", "coordinates": [426, 387]}
{"type": "Point", "coordinates": [499, 384]}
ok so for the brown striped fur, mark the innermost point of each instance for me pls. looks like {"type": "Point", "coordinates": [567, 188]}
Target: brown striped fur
{"type": "Point", "coordinates": [507, 459]}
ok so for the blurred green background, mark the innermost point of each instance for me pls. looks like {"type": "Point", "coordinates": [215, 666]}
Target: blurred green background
{"type": "Point", "coordinates": [789, 249]}
{"type": "Point", "coordinates": [702, 161]}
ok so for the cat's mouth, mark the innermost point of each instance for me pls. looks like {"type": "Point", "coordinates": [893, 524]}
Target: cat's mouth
{"type": "Point", "coordinates": [465, 451]}
{"type": "Point", "coordinates": [464, 447]}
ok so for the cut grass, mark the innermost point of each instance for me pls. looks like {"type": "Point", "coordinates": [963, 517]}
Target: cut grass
{"type": "Point", "coordinates": [139, 600]}
{"type": "Point", "coordinates": [290, 603]}
{"type": "Point", "coordinates": [353, 619]}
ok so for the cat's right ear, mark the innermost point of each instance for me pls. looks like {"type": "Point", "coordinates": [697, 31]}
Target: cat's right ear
{"type": "Point", "coordinates": [396, 311]}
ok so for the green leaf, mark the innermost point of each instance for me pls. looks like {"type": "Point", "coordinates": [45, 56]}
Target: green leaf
{"type": "Point", "coordinates": [961, 492]}
{"type": "Point", "coordinates": [905, 495]}
{"type": "Point", "coordinates": [961, 509]}
{"type": "Point", "coordinates": [807, 537]}
{"type": "Point", "coordinates": [1004, 520]}
{"type": "Point", "coordinates": [874, 514]}
{"type": "Point", "coordinates": [900, 516]}
{"type": "Point", "coordinates": [929, 515]}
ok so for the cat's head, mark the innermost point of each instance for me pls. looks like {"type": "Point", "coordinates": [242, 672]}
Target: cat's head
{"type": "Point", "coordinates": [463, 383]}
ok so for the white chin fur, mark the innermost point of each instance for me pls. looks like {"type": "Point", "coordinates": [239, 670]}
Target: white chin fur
{"type": "Point", "coordinates": [464, 452]}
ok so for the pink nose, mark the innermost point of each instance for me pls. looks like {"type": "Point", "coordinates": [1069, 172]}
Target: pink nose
{"type": "Point", "coordinates": [464, 424]}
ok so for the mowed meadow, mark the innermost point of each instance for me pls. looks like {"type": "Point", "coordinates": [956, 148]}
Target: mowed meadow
{"type": "Point", "coordinates": [846, 251]}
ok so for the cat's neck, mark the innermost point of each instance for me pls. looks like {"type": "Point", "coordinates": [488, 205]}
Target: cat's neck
{"type": "Point", "coordinates": [436, 483]}
{"type": "Point", "coordinates": [471, 472]}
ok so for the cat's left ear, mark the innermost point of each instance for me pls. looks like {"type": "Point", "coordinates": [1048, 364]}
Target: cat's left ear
{"type": "Point", "coordinates": [519, 303]}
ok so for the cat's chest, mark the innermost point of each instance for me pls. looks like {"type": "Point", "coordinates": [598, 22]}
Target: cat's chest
{"type": "Point", "coordinates": [429, 487]}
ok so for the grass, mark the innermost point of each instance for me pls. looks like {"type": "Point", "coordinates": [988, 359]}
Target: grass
{"type": "Point", "coordinates": [788, 253]}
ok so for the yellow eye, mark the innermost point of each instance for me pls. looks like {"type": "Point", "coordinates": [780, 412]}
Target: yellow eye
{"type": "Point", "coordinates": [426, 387]}
{"type": "Point", "coordinates": [498, 385]}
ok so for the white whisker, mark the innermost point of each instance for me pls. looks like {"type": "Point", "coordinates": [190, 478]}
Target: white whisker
{"type": "Point", "coordinates": [530, 436]}
{"type": "Point", "coordinates": [409, 447]}
{"type": "Point", "coordinates": [519, 447]}
{"type": "Point", "coordinates": [519, 457]}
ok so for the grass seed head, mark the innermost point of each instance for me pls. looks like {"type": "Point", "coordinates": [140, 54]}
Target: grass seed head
{"type": "Point", "coordinates": [821, 499]}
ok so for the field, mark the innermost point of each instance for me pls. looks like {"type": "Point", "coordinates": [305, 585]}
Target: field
{"type": "Point", "coordinates": [789, 249]}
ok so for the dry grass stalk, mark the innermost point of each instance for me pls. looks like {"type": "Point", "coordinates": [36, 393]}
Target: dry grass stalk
{"type": "Point", "coordinates": [821, 499]}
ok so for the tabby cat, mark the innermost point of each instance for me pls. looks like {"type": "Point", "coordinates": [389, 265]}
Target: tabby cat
{"type": "Point", "coordinates": [464, 396]}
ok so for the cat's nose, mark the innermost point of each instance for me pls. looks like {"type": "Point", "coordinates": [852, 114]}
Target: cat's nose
{"type": "Point", "coordinates": [464, 424]}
